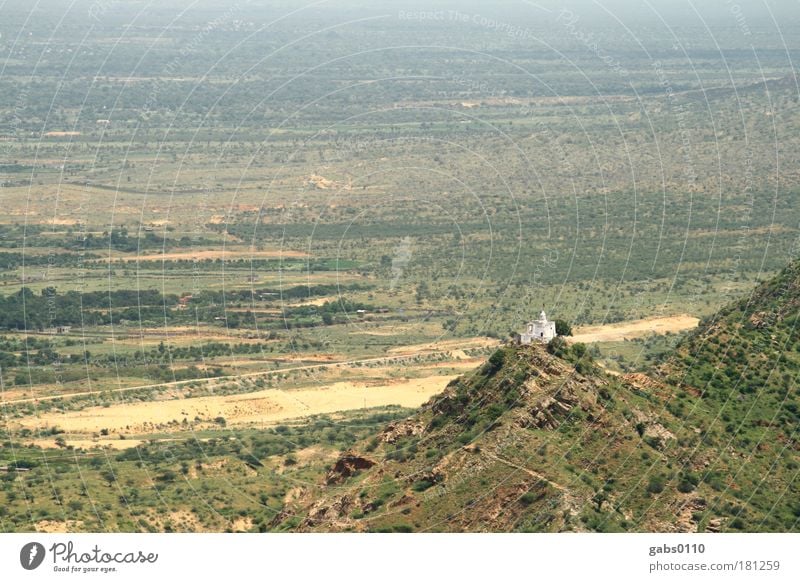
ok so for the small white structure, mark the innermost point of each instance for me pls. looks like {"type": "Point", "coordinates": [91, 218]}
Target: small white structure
{"type": "Point", "coordinates": [538, 330]}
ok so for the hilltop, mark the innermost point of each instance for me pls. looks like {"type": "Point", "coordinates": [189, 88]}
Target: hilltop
{"type": "Point", "coordinates": [540, 439]}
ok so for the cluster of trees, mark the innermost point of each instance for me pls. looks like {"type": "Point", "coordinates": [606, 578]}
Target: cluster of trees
{"type": "Point", "coordinates": [27, 310]}
{"type": "Point", "coordinates": [118, 240]}
{"type": "Point", "coordinates": [9, 261]}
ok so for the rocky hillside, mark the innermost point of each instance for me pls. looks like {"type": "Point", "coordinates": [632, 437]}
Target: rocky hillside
{"type": "Point", "coordinates": [539, 439]}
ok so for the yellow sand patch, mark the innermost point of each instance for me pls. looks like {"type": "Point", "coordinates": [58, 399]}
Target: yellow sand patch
{"type": "Point", "coordinates": [61, 222]}
{"type": "Point", "coordinates": [325, 184]}
{"type": "Point", "coordinates": [633, 329]}
{"type": "Point", "coordinates": [315, 302]}
{"type": "Point", "coordinates": [255, 408]}
{"type": "Point", "coordinates": [62, 133]}
{"type": "Point", "coordinates": [315, 453]}
{"type": "Point", "coordinates": [242, 524]}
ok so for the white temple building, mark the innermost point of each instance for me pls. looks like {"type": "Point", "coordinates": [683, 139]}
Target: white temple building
{"type": "Point", "coordinates": [538, 330]}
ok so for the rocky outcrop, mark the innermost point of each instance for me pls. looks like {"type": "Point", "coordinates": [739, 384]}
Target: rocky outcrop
{"type": "Point", "coordinates": [548, 411]}
{"type": "Point", "coordinates": [347, 466]}
{"type": "Point", "coordinates": [330, 513]}
{"type": "Point", "coordinates": [545, 415]}
{"type": "Point", "coordinates": [400, 429]}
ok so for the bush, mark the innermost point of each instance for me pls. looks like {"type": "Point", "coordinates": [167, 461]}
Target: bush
{"type": "Point", "coordinates": [423, 485]}
{"type": "Point", "coordinates": [654, 442]}
{"type": "Point", "coordinates": [579, 350]}
{"type": "Point", "coordinates": [167, 476]}
{"type": "Point", "coordinates": [558, 347]}
{"type": "Point", "coordinates": [656, 484]}
{"type": "Point", "coordinates": [496, 360]}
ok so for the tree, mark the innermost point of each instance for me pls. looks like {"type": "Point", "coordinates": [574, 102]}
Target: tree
{"type": "Point", "coordinates": [109, 476]}
{"type": "Point", "coordinates": [496, 360]}
{"type": "Point", "coordinates": [563, 327]}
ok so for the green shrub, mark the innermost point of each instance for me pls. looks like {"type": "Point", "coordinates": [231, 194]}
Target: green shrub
{"type": "Point", "coordinates": [656, 484]}
{"type": "Point", "coordinates": [422, 485]}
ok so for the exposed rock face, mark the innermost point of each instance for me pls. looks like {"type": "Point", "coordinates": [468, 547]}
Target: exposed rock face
{"type": "Point", "coordinates": [655, 430]}
{"type": "Point", "coordinates": [643, 382]}
{"type": "Point", "coordinates": [329, 513]}
{"type": "Point", "coordinates": [651, 428]}
{"type": "Point", "coordinates": [546, 413]}
{"type": "Point", "coordinates": [686, 521]}
{"type": "Point", "coordinates": [347, 466]}
{"type": "Point", "coordinates": [761, 319]}
{"type": "Point", "coordinates": [404, 428]}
